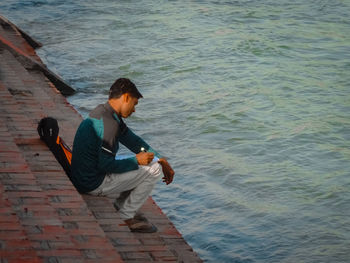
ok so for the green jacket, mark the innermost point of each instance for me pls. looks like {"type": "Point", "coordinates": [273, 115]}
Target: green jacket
{"type": "Point", "coordinates": [96, 144]}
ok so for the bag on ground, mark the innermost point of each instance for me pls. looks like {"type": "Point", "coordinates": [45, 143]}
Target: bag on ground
{"type": "Point", "coordinates": [48, 131]}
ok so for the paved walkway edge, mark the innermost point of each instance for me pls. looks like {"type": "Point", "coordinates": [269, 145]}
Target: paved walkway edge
{"type": "Point", "coordinates": [42, 217]}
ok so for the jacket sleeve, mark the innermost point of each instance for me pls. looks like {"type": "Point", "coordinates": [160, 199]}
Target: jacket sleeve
{"type": "Point", "coordinates": [108, 164]}
{"type": "Point", "coordinates": [134, 143]}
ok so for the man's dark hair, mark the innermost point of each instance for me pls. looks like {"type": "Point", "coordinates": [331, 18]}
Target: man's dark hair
{"type": "Point", "coordinates": [122, 86]}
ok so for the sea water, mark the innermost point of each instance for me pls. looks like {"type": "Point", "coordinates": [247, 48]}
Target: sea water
{"type": "Point", "coordinates": [249, 100]}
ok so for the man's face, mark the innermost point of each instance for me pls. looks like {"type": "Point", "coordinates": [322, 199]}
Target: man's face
{"type": "Point", "coordinates": [128, 106]}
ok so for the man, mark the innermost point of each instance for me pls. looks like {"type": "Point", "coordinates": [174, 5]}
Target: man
{"type": "Point", "coordinates": [95, 169]}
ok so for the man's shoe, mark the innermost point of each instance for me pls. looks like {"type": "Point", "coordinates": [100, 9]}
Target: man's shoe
{"type": "Point", "coordinates": [138, 216]}
{"type": "Point", "coordinates": [140, 226]}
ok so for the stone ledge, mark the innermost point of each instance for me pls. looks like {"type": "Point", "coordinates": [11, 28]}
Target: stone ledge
{"type": "Point", "coordinates": [42, 217]}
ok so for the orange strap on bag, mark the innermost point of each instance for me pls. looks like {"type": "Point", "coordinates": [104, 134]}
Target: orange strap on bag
{"type": "Point", "coordinates": [67, 151]}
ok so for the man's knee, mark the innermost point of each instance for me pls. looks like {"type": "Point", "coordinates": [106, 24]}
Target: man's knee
{"type": "Point", "coordinates": [156, 170]}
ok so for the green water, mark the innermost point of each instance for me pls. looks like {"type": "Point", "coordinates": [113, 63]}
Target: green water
{"type": "Point", "coordinates": [250, 100]}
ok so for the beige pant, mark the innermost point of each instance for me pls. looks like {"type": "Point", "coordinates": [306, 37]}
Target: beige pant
{"type": "Point", "coordinates": [131, 189]}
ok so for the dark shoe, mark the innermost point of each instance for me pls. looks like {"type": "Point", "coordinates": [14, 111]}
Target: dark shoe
{"type": "Point", "coordinates": [140, 226]}
{"type": "Point", "coordinates": [138, 216]}
{"type": "Point", "coordinates": [141, 217]}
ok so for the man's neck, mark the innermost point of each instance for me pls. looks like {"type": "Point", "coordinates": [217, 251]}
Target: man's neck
{"type": "Point", "coordinates": [114, 106]}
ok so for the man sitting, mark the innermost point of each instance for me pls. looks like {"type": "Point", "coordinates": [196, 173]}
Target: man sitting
{"type": "Point", "coordinates": [95, 169]}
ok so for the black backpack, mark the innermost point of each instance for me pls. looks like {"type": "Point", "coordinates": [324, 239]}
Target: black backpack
{"type": "Point", "coordinates": [48, 132]}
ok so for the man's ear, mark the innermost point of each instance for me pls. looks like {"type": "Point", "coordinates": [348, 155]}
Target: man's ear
{"type": "Point", "coordinates": [126, 97]}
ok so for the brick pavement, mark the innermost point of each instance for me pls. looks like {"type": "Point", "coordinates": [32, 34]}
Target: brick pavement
{"type": "Point", "coordinates": [42, 217]}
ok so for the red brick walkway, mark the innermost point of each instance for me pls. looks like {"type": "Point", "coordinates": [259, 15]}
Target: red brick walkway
{"type": "Point", "coordinates": [42, 217]}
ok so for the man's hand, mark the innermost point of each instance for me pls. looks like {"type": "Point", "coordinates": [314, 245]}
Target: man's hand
{"type": "Point", "coordinates": [144, 158]}
{"type": "Point", "coordinates": [167, 171]}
